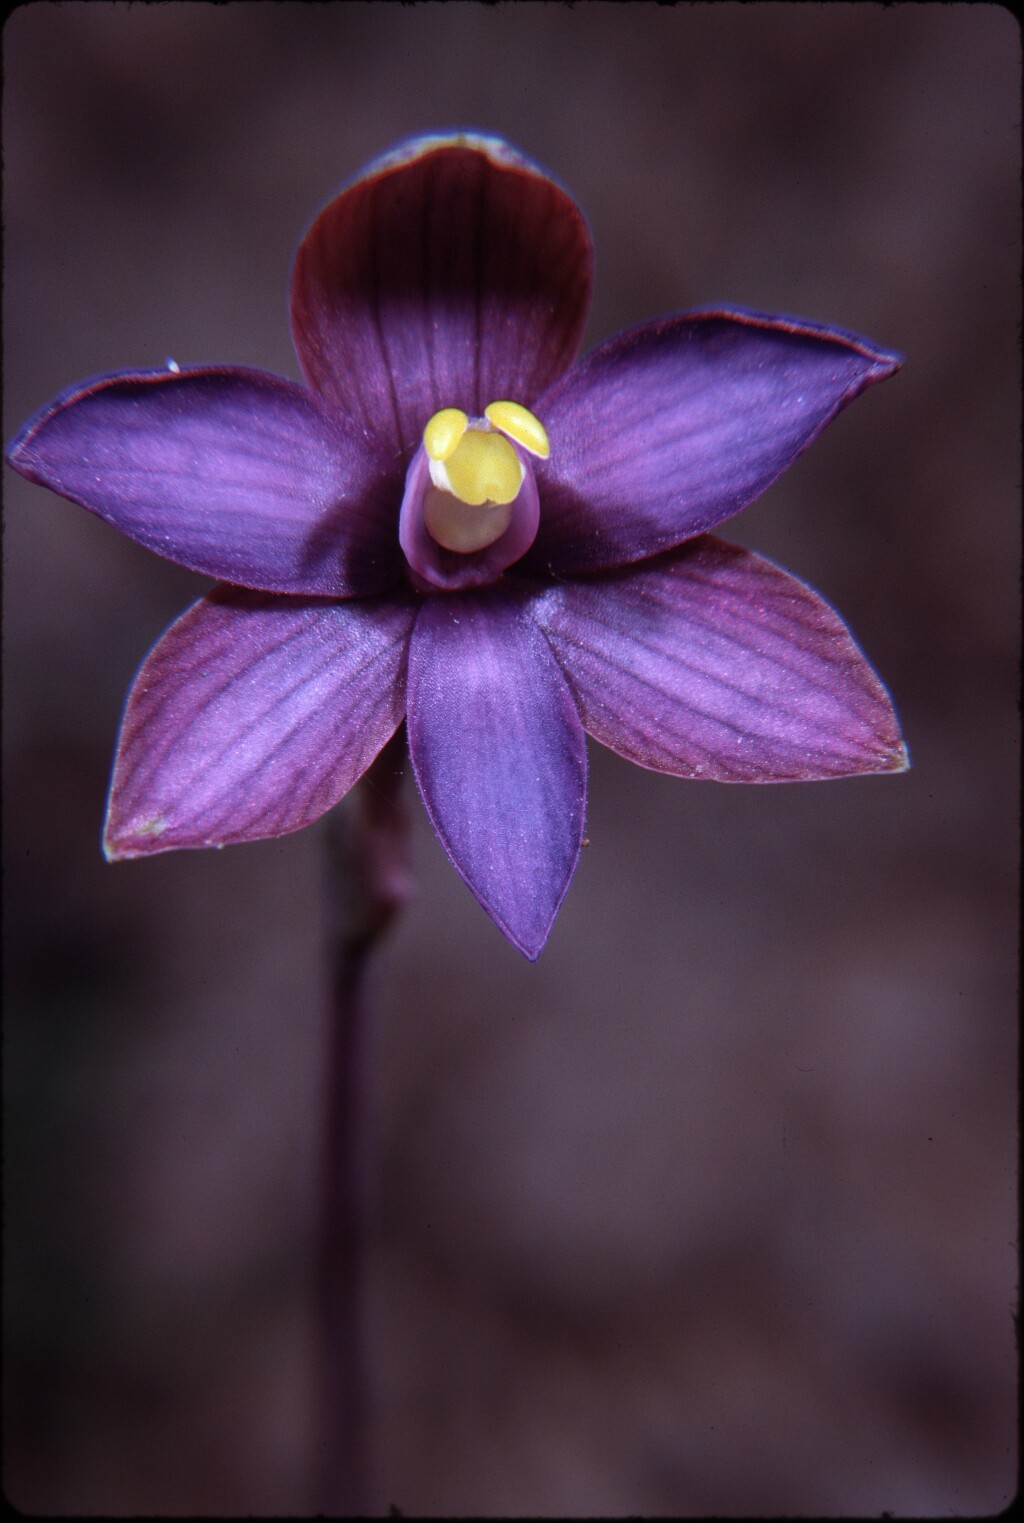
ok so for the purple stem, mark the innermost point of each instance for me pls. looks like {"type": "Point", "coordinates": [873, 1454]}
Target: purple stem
{"type": "Point", "coordinates": [367, 882]}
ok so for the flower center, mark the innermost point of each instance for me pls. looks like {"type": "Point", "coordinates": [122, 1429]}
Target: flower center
{"type": "Point", "coordinates": [475, 472]}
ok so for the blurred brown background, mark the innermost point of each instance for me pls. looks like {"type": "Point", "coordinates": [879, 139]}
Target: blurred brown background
{"type": "Point", "coordinates": [711, 1211]}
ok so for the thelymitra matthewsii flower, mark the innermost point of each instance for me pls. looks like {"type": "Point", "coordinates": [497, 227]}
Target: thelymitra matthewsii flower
{"type": "Point", "coordinates": [456, 524]}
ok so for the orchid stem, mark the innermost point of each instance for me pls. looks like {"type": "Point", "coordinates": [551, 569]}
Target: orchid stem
{"type": "Point", "coordinates": [367, 881]}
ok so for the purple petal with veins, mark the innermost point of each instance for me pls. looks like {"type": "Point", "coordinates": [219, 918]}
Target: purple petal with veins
{"type": "Point", "coordinates": [235, 473]}
{"type": "Point", "coordinates": [499, 755]}
{"type": "Point", "coordinates": [713, 663]}
{"type": "Point", "coordinates": [453, 273]}
{"type": "Point", "coordinates": [669, 429]}
{"type": "Point", "coordinates": [252, 717]}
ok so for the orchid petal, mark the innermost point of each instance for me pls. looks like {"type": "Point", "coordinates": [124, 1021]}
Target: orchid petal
{"type": "Point", "coordinates": [252, 717]}
{"type": "Point", "coordinates": [499, 755]}
{"type": "Point", "coordinates": [452, 273]}
{"type": "Point", "coordinates": [235, 473]}
{"type": "Point", "coordinates": [671, 428]}
{"type": "Point", "coordinates": [714, 663]}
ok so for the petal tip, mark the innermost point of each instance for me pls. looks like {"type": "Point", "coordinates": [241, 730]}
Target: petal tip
{"type": "Point", "coordinates": [490, 145]}
{"type": "Point", "coordinates": [886, 363]}
{"type": "Point", "coordinates": [531, 946]}
{"type": "Point", "coordinates": [123, 843]}
{"type": "Point", "coordinates": [18, 455]}
{"type": "Point", "coordinates": [899, 758]}
{"type": "Point", "coordinates": [891, 757]}
{"type": "Point", "coordinates": [529, 939]}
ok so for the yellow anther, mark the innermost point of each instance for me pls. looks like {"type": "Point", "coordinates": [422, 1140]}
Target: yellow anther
{"type": "Point", "coordinates": [520, 425]}
{"type": "Point", "coordinates": [442, 434]}
{"type": "Point", "coordinates": [483, 468]}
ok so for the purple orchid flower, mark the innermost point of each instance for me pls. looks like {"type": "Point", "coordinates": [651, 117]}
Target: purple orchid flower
{"type": "Point", "coordinates": [456, 526]}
